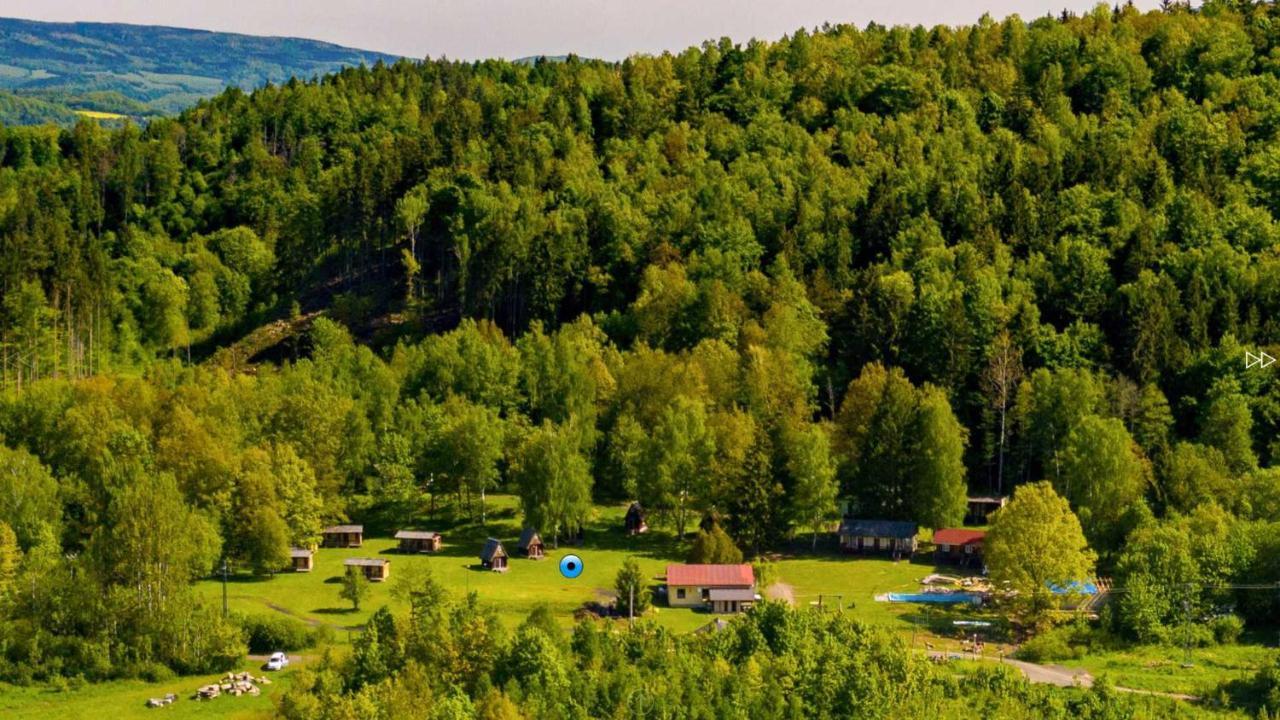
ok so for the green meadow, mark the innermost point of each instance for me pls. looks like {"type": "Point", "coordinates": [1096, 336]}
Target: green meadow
{"type": "Point", "coordinates": [808, 578]}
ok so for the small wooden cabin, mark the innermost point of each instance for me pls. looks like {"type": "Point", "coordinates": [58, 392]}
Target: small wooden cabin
{"type": "Point", "coordinates": [418, 541]}
{"type": "Point", "coordinates": [342, 536]}
{"type": "Point", "coordinates": [894, 537]}
{"type": "Point", "coordinates": [493, 556]}
{"type": "Point", "coordinates": [374, 569]}
{"type": "Point", "coordinates": [634, 522]}
{"type": "Point", "coordinates": [980, 509]}
{"type": "Point", "coordinates": [531, 544]}
{"type": "Point", "coordinates": [303, 559]}
{"type": "Point", "coordinates": [960, 546]}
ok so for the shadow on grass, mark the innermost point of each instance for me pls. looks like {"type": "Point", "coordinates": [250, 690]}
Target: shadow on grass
{"type": "Point", "coordinates": [334, 611]}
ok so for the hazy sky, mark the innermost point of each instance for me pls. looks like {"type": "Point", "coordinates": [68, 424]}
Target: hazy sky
{"type": "Point", "coordinates": [468, 29]}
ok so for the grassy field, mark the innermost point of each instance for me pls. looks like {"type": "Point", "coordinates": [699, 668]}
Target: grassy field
{"type": "Point", "coordinates": [313, 596]}
{"type": "Point", "coordinates": [126, 700]}
{"type": "Point", "coordinates": [1164, 669]}
{"type": "Point", "coordinates": [100, 115]}
{"type": "Point", "coordinates": [845, 582]}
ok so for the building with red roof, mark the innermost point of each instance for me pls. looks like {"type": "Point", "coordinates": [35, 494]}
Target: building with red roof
{"type": "Point", "coordinates": [959, 545]}
{"type": "Point", "coordinates": [721, 588]}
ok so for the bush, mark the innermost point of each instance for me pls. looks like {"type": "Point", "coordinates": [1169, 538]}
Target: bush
{"type": "Point", "coordinates": [1047, 646]}
{"type": "Point", "coordinates": [1227, 629]}
{"type": "Point", "coordinates": [266, 634]}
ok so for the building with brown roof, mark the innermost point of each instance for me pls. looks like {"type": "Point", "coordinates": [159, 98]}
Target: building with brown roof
{"type": "Point", "coordinates": [374, 569]}
{"type": "Point", "coordinates": [342, 536]}
{"type": "Point", "coordinates": [419, 541]}
{"type": "Point", "coordinates": [302, 558]}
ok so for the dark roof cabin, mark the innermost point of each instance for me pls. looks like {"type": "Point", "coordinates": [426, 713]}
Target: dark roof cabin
{"type": "Point", "coordinates": [634, 521]}
{"type": "Point", "coordinates": [895, 537]}
{"type": "Point", "coordinates": [302, 559]}
{"type": "Point", "coordinates": [418, 541]}
{"type": "Point", "coordinates": [980, 509]}
{"type": "Point", "coordinates": [342, 536]}
{"type": "Point", "coordinates": [493, 556]}
{"type": "Point", "coordinates": [530, 544]}
{"type": "Point", "coordinates": [374, 569]}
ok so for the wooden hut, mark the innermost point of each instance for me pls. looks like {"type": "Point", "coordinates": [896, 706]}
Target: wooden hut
{"type": "Point", "coordinates": [342, 536]}
{"type": "Point", "coordinates": [418, 541]}
{"type": "Point", "coordinates": [531, 544]}
{"type": "Point", "coordinates": [634, 521]}
{"type": "Point", "coordinates": [302, 558]}
{"type": "Point", "coordinates": [374, 569]}
{"type": "Point", "coordinates": [494, 556]}
{"type": "Point", "coordinates": [980, 509]}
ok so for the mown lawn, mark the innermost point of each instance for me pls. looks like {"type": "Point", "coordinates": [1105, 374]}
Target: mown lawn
{"type": "Point", "coordinates": [313, 596]}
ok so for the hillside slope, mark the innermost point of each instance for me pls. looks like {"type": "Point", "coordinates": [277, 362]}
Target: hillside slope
{"type": "Point", "coordinates": [135, 70]}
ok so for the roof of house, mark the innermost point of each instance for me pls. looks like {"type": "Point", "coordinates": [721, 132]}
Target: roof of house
{"type": "Point", "coordinates": [417, 535]}
{"type": "Point", "coordinates": [879, 528]}
{"type": "Point", "coordinates": [366, 562]}
{"type": "Point", "coordinates": [739, 594]}
{"type": "Point", "coordinates": [989, 500]}
{"type": "Point", "coordinates": [527, 538]}
{"type": "Point", "coordinates": [346, 529]}
{"type": "Point", "coordinates": [301, 552]}
{"type": "Point", "coordinates": [492, 548]}
{"type": "Point", "coordinates": [711, 575]}
{"type": "Point", "coordinates": [957, 536]}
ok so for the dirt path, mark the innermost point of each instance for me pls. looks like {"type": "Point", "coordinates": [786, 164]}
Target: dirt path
{"type": "Point", "coordinates": [1061, 676]}
{"type": "Point", "coordinates": [781, 591]}
{"type": "Point", "coordinates": [308, 620]}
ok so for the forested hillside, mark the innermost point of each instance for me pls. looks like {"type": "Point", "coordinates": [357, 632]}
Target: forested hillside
{"type": "Point", "coordinates": [49, 70]}
{"type": "Point", "coordinates": [886, 265]}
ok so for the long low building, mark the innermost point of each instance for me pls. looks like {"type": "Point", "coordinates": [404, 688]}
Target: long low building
{"type": "Point", "coordinates": [418, 541]}
{"type": "Point", "coordinates": [721, 588]}
{"type": "Point", "coordinates": [342, 536]}
{"type": "Point", "coordinates": [374, 569]}
{"type": "Point", "coordinates": [894, 537]}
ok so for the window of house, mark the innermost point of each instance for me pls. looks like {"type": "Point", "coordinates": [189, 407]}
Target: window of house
{"type": "Point", "coordinates": [679, 593]}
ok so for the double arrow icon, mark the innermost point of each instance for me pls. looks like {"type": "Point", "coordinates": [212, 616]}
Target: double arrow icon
{"type": "Point", "coordinates": [1260, 360]}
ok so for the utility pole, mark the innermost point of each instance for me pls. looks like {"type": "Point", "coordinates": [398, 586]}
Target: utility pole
{"type": "Point", "coordinates": [224, 586]}
{"type": "Point", "coordinates": [1186, 640]}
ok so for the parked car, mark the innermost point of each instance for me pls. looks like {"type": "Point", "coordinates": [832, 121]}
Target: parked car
{"type": "Point", "coordinates": [277, 661]}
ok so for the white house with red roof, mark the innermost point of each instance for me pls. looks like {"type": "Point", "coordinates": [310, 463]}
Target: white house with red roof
{"type": "Point", "coordinates": [959, 545]}
{"type": "Point", "coordinates": [720, 588]}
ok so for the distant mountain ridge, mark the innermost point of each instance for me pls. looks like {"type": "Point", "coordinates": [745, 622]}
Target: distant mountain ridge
{"type": "Point", "coordinates": [50, 72]}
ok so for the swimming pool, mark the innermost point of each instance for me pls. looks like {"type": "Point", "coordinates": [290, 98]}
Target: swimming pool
{"type": "Point", "coordinates": [937, 598]}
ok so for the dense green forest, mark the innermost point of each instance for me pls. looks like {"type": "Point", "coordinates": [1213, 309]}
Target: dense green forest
{"type": "Point", "coordinates": [48, 70]}
{"type": "Point", "coordinates": [884, 266]}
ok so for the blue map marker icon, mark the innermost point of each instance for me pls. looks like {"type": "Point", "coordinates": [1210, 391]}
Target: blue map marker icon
{"type": "Point", "coordinates": [571, 566]}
